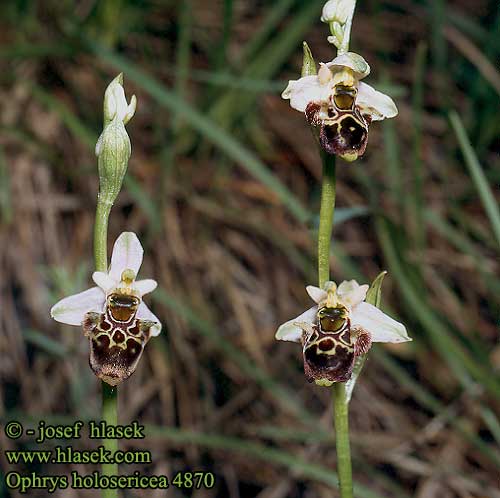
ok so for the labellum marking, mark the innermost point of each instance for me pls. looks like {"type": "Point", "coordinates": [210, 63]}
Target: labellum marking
{"type": "Point", "coordinates": [331, 346]}
{"type": "Point", "coordinates": [343, 129]}
{"type": "Point", "coordinates": [117, 338]}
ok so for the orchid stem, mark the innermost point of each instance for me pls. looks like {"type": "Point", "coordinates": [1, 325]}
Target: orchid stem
{"type": "Point", "coordinates": [326, 213]}
{"type": "Point", "coordinates": [344, 48]}
{"type": "Point", "coordinates": [341, 418]}
{"type": "Point", "coordinates": [341, 415]}
{"type": "Point", "coordinates": [110, 417]}
{"type": "Point", "coordinates": [109, 413]}
{"type": "Point", "coordinates": [101, 234]}
{"type": "Point", "coordinates": [340, 404]}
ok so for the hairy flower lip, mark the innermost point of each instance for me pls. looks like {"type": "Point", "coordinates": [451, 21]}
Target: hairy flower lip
{"type": "Point", "coordinates": [127, 255]}
{"type": "Point", "coordinates": [345, 145]}
{"type": "Point", "coordinates": [341, 132]}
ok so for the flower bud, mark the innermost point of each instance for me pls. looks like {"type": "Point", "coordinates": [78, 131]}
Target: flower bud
{"type": "Point", "coordinates": [337, 11]}
{"type": "Point", "coordinates": [113, 148]}
{"type": "Point", "coordinates": [115, 103]}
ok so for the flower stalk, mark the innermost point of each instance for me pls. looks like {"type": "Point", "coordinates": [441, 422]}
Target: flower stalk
{"type": "Point", "coordinates": [326, 217]}
{"type": "Point", "coordinates": [115, 320]}
{"type": "Point", "coordinates": [344, 47]}
{"type": "Point", "coordinates": [337, 333]}
{"type": "Point", "coordinates": [340, 405]}
{"type": "Point", "coordinates": [103, 211]}
{"type": "Point", "coordinates": [109, 407]}
{"type": "Point", "coordinates": [341, 422]}
{"type": "Point", "coordinates": [113, 151]}
{"type": "Point", "coordinates": [109, 415]}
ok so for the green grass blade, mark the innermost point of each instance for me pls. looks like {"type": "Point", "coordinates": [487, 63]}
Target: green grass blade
{"type": "Point", "coordinates": [476, 171]}
{"type": "Point", "coordinates": [417, 192]}
{"type": "Point", "coordinates": [234, 105]}
{"type": "Point", "coordinates": [458, 359]}
{"type": "Point", "coordinates": [45, 343]}
{"type": "Point", "coordinates": [205, 126]}
{"type": "Point", "coordinates": [277, 12]}
{"type": "Point", "coordinates": [433, 404]}
{"type": "Point", "coordinates": [295, 464]}
{"type": "Point", "coordinates": [6, 212]}
{"type": "Point", "coordinates": [284, 396]}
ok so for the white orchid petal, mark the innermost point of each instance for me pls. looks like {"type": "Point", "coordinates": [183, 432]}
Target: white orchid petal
{"type": "Point", "coordinates": [104, 281]}
{"type": "Point", "coordinates": [110, 104]}
{"type": "Point", "coordinates": [305, 90]}
{"type": "Point", "coordinates": [346, 287]}
{"type": "Point", "coordinates": [316, 294]}
{"type": "Point", "coordinates": [290, 331]}
{"type": "Point", "coordinates": [121, 101]}
{"type": "Point", "coordinates": [144, 313]}
{"type": "Point", "coordinates": [374, 103]}
{"type": "Point", "coordinates": [351, 293]}
{"type": "Point", "coordinates": [72, 309]}
{"type": "Point", "coordinates": [382, 327]}
{"type": "Point", "coordinates": [145, 286]}
{"type": "Point", "coordinates": [127, 255]}
{"type": "Point", "coordinates": [130, 109]}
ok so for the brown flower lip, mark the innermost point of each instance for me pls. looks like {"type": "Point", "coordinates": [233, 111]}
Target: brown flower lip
{"type": "Point", "coordinates": [343, 133]}
{"type": "Point", "coordinates": [117, 339]}
{"type": "Point", "coordinates": [338, 329]}
{"type": "Point", "coordinates": [331, 347]}
{"type": "Point", "coordinates": [328, 358]}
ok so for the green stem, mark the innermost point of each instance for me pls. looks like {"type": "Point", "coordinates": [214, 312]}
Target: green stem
{"type": "Point", "coordinates": [326, 217]}
{"type": "Point", "coordinates": [101, 233]}
{"type": "Point", "coordinates": [340, 405]}
{"type": "Point", "coordinates": [109, 394]}
{"type": "Point", "coordinates": [344, 48]}
{"type": "Point", "coordinates": [341, 417]}
{"type": "Point", "coordinates": [110, 417]}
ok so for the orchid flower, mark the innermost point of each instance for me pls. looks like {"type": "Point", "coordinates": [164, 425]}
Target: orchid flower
{"type": "Point", "coordinates": [339, 328]}
{"type": "Point", "coordinates": [113, 315]}
{"type": "Point", "coordinates": [340, 105]}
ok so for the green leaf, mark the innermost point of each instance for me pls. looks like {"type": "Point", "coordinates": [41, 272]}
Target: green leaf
{"type": "Point", "coordinates": [477, 173]}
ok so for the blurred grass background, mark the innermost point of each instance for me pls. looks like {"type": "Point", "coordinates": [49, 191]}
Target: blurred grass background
{"type": "Point", "coordinates": [223, 190]}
